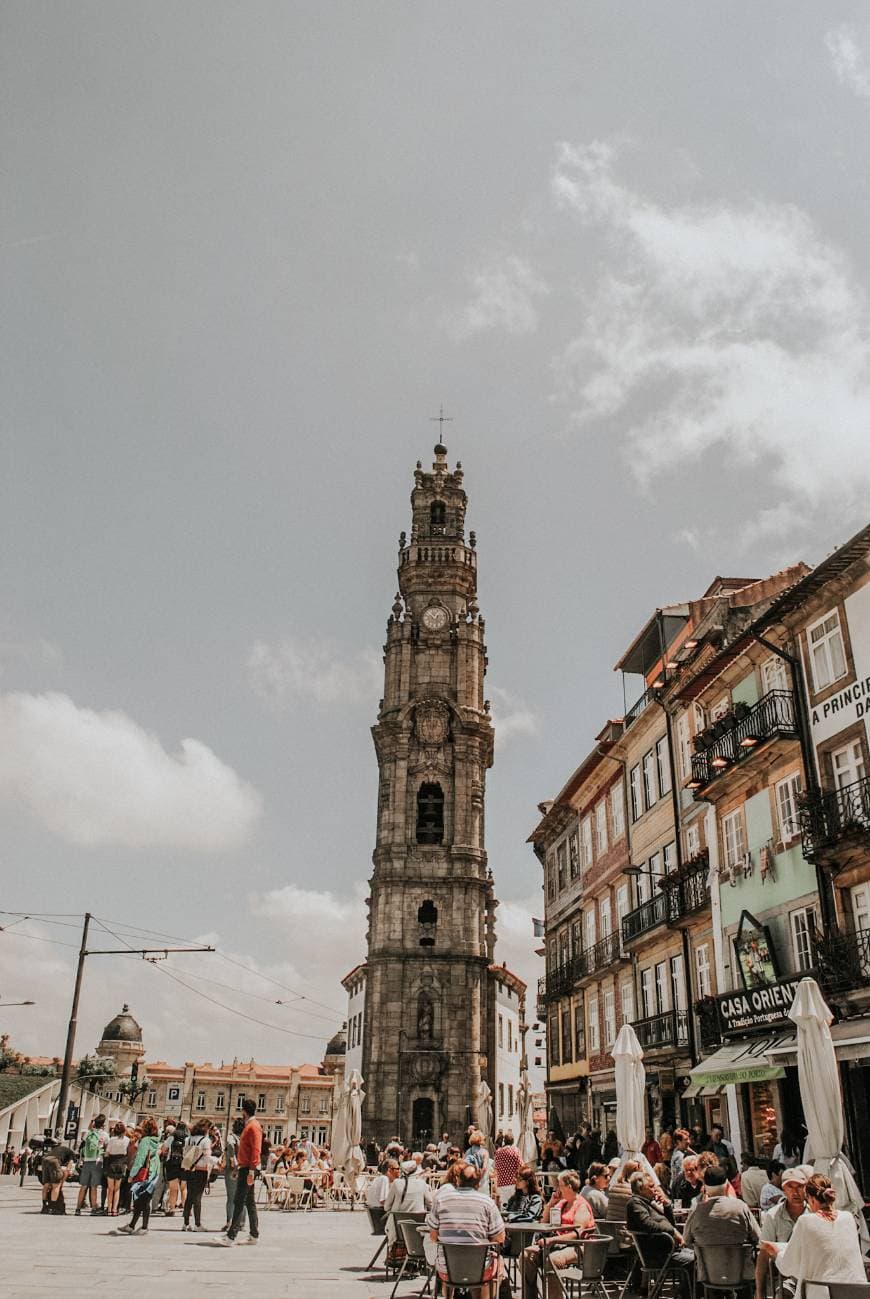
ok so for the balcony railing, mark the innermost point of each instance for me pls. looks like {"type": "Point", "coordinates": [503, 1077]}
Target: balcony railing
{"type": "Point", "coordinates": [836, 815]}
{"type": "Point", "coordinates": [638, 707]}
{"type": "Point", "coordinates": [671, 1028]}
{"type": "Point", "coordinates": [689, 893]}
{"type": "Point", "coordinates": [843, 961]}
{"type": "Point", "coordinates": [645, 917]}
{"type": "Point", "coordinates": [770, 718]}
{"type": "Point", "coordinates": [602, 955]}
{"type": "Point", "coordinates": [561, 979]}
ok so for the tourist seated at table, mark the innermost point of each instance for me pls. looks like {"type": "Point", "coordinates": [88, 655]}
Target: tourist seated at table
{"type": "Point", "coordinates": [720, 1219]}
{"type": "Point", "coordinates": [574, 1216]}
{"type": "Point", "coordinates": [653, 1223]}
{"type": "Point", "coordinates": [771, 1192]}
{"type": "Point", "coordinates": [686, 1189]}
{"type": "Point", "coordinates": [778, 1223]}
{"type": "Point", "coordinates": [467, 1217]}
{"type": "Point", "coordinates": [619, 1192]}
{"type": "Point", "coordinates": [377, 1189]}
{"type": "Point", "coordinates": [594, 1190]}
{"type": "Point", "coordinates": [824, 1244]}
{"type": "Point", "coordinates": [526, 1204]}
{"type": "Point", "coordinates": [708, 1160]}
{"type": "Point", "coordinates": [753, 1179]}
{"type": "Point", "coordinates": [409, 1193]}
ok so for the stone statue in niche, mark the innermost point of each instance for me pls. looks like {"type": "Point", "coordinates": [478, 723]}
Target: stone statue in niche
{"type": "Point", "coordinates": [425, 1017]}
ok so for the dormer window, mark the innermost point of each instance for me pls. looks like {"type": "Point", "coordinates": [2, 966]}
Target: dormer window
{"type": "Point", "coordinates": [430, 814]}
{"type": "Point", "coordinates": [438, 518]}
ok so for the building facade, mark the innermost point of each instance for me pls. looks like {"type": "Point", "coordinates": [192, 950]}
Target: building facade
{"type": "Point", "coordinates": [431, 931]}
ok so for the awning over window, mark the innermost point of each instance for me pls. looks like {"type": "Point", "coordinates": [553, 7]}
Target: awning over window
{"type": "Point", "coordinates": [739, 1062]}
{"type": "Point", "coordinates": [851, 1040]}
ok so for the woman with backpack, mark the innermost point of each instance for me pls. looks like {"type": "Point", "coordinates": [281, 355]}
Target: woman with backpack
{"type": "Point", "coordinates": [196, 1164]}
{"type": "Point", "coordinates": [172, 1168]}
{"type": "Point", "coordinates": [143, 1177]}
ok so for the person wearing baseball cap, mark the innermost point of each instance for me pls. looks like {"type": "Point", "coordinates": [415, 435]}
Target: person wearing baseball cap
{"type": "Point", "coordinates": [778, 1223]}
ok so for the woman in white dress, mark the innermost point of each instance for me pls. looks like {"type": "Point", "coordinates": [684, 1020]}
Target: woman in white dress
{"type": "Point", "coordinates": [824, 1244]}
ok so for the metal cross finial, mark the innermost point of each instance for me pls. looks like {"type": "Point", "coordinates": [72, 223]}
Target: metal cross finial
{"type": "Point", "coordinates": [441, 419]}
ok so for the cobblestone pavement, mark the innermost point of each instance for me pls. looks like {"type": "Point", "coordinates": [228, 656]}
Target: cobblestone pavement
{"type": "Point", "coordinates": [300, 1255]}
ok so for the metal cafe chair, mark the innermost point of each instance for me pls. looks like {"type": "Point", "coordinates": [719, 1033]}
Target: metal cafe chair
{"type": "Point", "coordinates": [415, 1254]}
{"type": "Point", "coordinates": [586, 1276]}
{"type": "Point", "coordinates": [653, 1272]}
{"type": "Point", "coordinates": [378, 1224]}
{"type": "Point", "coordinates": [465, 1265]}
{"type": "Point", "coordinates": [725, 1269]}
{"type": "Point", "coordinates": [849, 1289]}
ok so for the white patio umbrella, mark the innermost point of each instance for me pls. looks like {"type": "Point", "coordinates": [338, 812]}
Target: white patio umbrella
{"type": "Point", "coordinates": [340, 1144]}
{"type": "Point", "coordinates": [527, 1145]}
{"type": "Point", "coordinates": [630, 1099]}
{"type": "Point", "coordinates": [355, 1160]}
{"type": "Point", "coordinates": [819, 1082]}
{"type": "Point", "coordinates": [484, 1112]}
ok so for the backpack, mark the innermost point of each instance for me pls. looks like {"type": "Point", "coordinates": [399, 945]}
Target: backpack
{"type": "Point", "coordinates": [176, 1150]}
{"type": "Point", "coordinates": [192, 1155]}
{"type": "Point", "coordinates": [91, 1146]}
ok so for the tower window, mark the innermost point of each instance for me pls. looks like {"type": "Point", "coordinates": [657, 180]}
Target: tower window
{"type": "Point", "coordinates": [427, 919]}
{"type": "Point", "coordinates": [438, 517]}
{"type": "Point", "coordinates": [430, 814]}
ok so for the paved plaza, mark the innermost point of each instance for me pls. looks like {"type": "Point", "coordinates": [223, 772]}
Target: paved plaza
{"type": "Point", "coordinates": [315, 1255]}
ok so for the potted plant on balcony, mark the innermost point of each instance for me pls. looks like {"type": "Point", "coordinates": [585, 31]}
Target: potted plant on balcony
{"type": "Point", "coordinates": [742, 710]}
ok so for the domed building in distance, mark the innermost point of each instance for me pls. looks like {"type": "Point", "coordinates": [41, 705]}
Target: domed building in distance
{"type": "Point", "coordinates": [122, 1042]}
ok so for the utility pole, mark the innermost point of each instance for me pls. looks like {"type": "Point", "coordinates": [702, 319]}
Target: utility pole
{"type": "Point", "coordinates": [146, 953]}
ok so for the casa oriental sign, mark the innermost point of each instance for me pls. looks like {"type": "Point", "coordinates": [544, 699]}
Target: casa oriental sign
{"type": "Point", "coordinates": [753, 1009]}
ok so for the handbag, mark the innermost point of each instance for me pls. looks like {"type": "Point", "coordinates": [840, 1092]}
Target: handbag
{"type": "Point", "coordinates": [192, 1156]}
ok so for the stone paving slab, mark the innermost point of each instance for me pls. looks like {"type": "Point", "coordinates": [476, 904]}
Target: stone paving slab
{"type": "Point", "coordinates": [314, 1255]}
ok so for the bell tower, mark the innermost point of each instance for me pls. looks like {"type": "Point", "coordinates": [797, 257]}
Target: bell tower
{"type": "Point", "coordinates": [431, 930]}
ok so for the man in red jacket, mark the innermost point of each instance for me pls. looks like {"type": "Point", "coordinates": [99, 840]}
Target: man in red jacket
{"type": "Point", "coordinates": [248, 1157]}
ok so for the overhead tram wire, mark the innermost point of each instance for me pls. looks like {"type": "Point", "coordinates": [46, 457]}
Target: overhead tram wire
{"type": "Point", "coordinates": [277, 1028]}
{"type": "Point", "coordinates": [268, 978]}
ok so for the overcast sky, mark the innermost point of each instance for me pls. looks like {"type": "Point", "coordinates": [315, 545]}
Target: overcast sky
{"type": "Point", "coordinates": [247, 250]}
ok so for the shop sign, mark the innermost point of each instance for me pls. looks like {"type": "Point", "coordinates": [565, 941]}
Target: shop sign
{"type": "Point", "coordinates": [757, 1008]}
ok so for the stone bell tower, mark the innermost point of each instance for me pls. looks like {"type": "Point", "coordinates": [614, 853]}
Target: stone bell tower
{"type": "Point", "coordinates": [431, 911]}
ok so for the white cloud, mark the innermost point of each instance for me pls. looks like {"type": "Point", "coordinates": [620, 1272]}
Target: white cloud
{"type": "Point", "coordinates": [736, 328]}
{"type": "Point", "coordinates": [293, 670]}
{"type": "Point", "coordinates": [504, 290]}
{"type": "Point", "coordinates": [98, 778]}
{"type": "Point", "coordinates": [511, 717]}
{"type": "Point", "coordinates": [847, 59]}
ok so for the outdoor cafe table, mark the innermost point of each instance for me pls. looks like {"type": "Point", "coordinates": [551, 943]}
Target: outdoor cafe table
{"type": "Point", "coordinates": [529, 1229]}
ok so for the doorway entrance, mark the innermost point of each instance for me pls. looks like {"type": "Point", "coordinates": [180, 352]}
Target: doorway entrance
{"type": "Point", "coordinates": [423, 1120]}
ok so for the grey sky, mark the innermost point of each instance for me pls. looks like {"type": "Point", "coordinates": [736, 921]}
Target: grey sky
{"type": "Point", "coordinates": [246, 251]}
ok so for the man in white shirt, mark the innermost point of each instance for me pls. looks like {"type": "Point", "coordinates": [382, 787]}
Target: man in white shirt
{"type": "Point", "coordinates": [444, 1147]}
{"type": "Point", "coordinates": [380, 1184]}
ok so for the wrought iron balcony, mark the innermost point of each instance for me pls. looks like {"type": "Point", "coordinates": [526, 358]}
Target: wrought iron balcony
{"type": "Point", "coordinates": [645, 917]}
{"type": "Point", "coordinates": [843, 961]}
{"type": "Point", "coordinates": [836, 815]}
{"type": "Point", "coordinates": [561, 979]}
{"type": "Point", "coordinates": [638, 707]}
{"type": "Point", "coordinates": [671, 1028]}
{"type": "Point", "coordinates": [689, 892]}
{"type": "Point", "coordinates": [771, 718]}
{"type": "Point", "coordinates": [602, 955]}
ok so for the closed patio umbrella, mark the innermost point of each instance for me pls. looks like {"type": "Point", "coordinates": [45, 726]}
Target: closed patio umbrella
{"type": "Point", "coordinates": [355, 1160]}
{"type": "Point", "coordinates": [819, 1082]}
{"type": "Point", "coordinates": [340, 1145]}
{"type": "Point", "coordinates": [630, 1098]}
{"type": "Point", "coordinates": [528, 1146]}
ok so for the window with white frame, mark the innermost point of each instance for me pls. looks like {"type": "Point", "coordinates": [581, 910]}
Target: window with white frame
{"type": "Point", "coordinates": [305, 1105]}
{"type": "Point", "coordinates": [636, 790]}
{"type": "Point", "coordinates": [678, 983]}
{"type": "Point", "coordinates": [501, 1030]}
{"type": "Point", "coordinates": [324, 1105]}
{"type": "Point", "coordinates": [693, 841]}
{"type": "Point", "coordinates": [152, 1100]}
{"type": "Point", "coordinates": [847, 764]}
{"type": "Point", "coordinates": [621, 904]}
{"type": "Point", "coordinates": [592, 1035]}
{"type": "Point", "coordinates": [647, 992]}
{"type": "Point", "coordinates": [721, 708]}
{"type": "Point", "coordinates": [561, 866]}
{"type": "Point", "coordinates": [803, 929]}
{"type": "Point", "coordinates": [604, 920]}
{"type": "Point", "coordinates": [609, 1017]}
{"type": "Point", "coordinates": [699, 717]}
{"type": "Point", "coordinates": [662, 986]}
{"type": "Point", "coordinates": [279, 1103]}
{"type": "Point", "coordinates": [827, 655]}
{"type": "Point", "coordinates": [586, 842]}
{"type": "Point", "coordinates": [787, 792]}
{"type": "Point", "coordinates": [240, 1100]}
{"type": "Point", "coordinates": [576, 938]}
{"type": "Point", "coordinates": [601, 826]}
{"type": "Point", "coordinates": [278, 1132]}
{"type": "Point", "coordinates": [650, 794]}
{"type": "Point", "coordinates": [734, 837]}
{"type": "Point", "coordinates": [684, 748]}
{"type": "Point", "coordinates": [617, 811]}
{"type": "Point", "coordinates": [510, 1036]}
{"type": "Point", "coordinates": [574, 854]}
{"type": "Point", "coordinates": [655, 866]}
{"type": "Point", "coordinates": [590, 926]}
{"type": "Point", "coordinates": [200, 1101]}
{"type": "Point", "coordinates": [261, 1103]}
{"type": "Point", "coordinates": [773, 674]}
{"type": "Point", "coordinates": [626, 997]}
{"type": "Point", "coordinates": [510, 1100]}
{"type": "Point", "coordinates": [663, 766]}
{"type": "Point", "coordinates": [669, 857]}
{"type": "Point", "coordinates": [501, 1100]}
{"type": "Point", "coordinates": [702, 970]}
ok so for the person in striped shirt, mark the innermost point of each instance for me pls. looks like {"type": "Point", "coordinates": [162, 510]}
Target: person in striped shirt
{"type": "Point", "coordinates": [467, 1217]}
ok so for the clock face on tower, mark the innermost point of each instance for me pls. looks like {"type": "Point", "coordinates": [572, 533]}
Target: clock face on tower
{"type": "Point", "coordinates": [435, 618]}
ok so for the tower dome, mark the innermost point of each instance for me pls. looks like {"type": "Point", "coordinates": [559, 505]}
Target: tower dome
{"type": "Point", "coordinates": [337, 1045]}
{"type": "Point", "coordinates": [123, 1028]}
